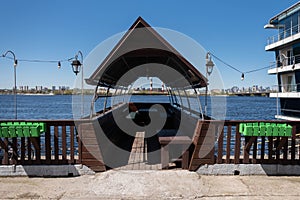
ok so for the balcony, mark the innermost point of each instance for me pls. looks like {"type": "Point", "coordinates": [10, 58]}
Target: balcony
{"type": "Point", "coordinates": [285, 64]}
{"type": "Point", "coordinates": [283, 37]}
{"type": "Point", "coordinates": [287, 91]}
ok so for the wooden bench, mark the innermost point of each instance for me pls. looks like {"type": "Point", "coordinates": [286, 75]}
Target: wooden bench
{"type": "Point", "coordinates": [184, 141]}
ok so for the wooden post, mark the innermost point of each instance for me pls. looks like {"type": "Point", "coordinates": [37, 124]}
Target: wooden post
{"type": "Point", "coordinates": [48, 144]}
{"type": "Point", "coordinates": [72, 149]}
{"type": "Point", "coordinates": [228, 143]}
{"type": "Point", "coordinates": [237, 145]}
{"type": "Point", "coordinates": [220, 147]}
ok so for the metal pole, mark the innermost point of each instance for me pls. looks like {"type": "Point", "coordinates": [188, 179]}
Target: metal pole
{"type": "Point", "coordinates": [206, 88]}
{"type": "Point", "coordinates": [15, 90]}
{"type": "Point", "coordinates": [82, 96]}
{"type": "Point", "coordinates": [15, 80]}
{"type": "Point", "coordinates": [80, 64]}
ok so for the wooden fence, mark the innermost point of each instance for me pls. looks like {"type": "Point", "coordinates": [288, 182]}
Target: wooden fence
{"type": "Point", "coordinates": [232, 147]}
{"type": "Point", "coordinates": [58, 145]}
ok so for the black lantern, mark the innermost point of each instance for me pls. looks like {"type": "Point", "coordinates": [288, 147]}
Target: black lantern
{"type": "Point", "coordinates": [243, 76]}
{"type": "Point", "coordinates": [209, 64]}
{"type": "Point", "coordinates": [76, 65]}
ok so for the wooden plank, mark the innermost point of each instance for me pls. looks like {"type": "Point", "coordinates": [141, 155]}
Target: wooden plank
{"type": "Point", "coordinates": [254, 151]}
{"type": "Point", "coordinates": [228, 144]}
{"type": "Point", "coordinates": [48, 144]}
{"type": "Point", "coordinates": [15, 155]}
{"type": "Point", "coordinates": [29, 149]}
{"type": "Point", "coordinates": [72, 148]}
{"type": "Point", "coordinates": [237, 145]}
{"type": "Point", "coordinates": [220, 147]}
{"type": "Point", "coordinates": [263, 143]}
{"type": "Point", "coordinates": [79, 146]}
{"type": "Point", "coordinates": [23, 149]}
{"type": "Point", "coordinates": [64, 143]}
{"type": "Point", "coordinates": [270, 148]}
{"type": "Point", "coordinates": [293, 149]}
{"type": "Point", "coordinates": [285, 149]}
{"type": "Point", "coordinates": [277, 150]}
{"type": "Point", "coordinates": [56, 145]}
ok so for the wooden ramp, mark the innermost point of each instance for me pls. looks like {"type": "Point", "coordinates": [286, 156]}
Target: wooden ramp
{"type": "Point", "coordinates": [138, 156]}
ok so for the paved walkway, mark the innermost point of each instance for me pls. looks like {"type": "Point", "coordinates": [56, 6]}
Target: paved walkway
{"type": "Point", "coordinates": [171, 184]}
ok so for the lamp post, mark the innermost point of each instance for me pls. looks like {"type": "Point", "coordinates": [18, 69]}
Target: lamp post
{"type": "Point", "coordinates": [15, 79]}
{"type": "Point", "coordinates": [209, 68]}
{"type": "Point", "coordinates": [76, 67]}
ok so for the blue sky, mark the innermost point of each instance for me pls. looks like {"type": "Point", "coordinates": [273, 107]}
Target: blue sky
{"type": "Point", "coordinates": [56, 30]}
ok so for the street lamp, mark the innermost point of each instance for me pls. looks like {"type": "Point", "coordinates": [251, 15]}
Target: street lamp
{"type": "Point", "coordinates": [209, 64]}
{"type": "Point", "coordinates": [15, 79]}
{"type": "Point", "coordinates": [209, 68]}
{"type": "Point", "coordinates": [76, 66]}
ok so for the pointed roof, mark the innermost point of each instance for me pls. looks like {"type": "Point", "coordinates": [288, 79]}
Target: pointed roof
{"type": "Point", "coordinates": [140, 45]}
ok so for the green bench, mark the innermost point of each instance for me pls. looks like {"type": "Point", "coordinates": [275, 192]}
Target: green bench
{"type": "Point", "coordinates": [265, 129]}
{"type": "Point", "coordinates": [22, 129]}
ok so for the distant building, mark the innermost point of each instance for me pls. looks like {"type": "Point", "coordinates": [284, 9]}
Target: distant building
{"type": "Point", "coordinates": [39, 88]}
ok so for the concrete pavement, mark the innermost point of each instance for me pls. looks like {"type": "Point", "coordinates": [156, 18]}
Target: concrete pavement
{"type": "Point", "coordinates": [169, 184]}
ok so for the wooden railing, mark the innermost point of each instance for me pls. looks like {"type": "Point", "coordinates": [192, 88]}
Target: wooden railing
{"type": "Point", "coordinates": [58, 145]}
{"type": "Point", "coordinates": [232, 147]}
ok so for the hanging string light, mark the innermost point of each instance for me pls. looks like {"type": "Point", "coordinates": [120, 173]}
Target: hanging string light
{"type": "Point", "coordinates": [59, 62]}
{"type": "Point", "coordinates": [242, 73]}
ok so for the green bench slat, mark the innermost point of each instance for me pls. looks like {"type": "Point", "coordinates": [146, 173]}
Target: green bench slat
{"type": "Point", "coordinates": [265, 129]}
{"type": "Point", "coordinates": [22, 129]}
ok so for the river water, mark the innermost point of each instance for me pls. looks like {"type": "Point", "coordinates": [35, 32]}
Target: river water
{"type": "Point", "coordinates": [60, 106]}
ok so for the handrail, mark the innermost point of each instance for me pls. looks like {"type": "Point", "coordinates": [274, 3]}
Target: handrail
{"type": "Point", "coordinates": [283, 34]}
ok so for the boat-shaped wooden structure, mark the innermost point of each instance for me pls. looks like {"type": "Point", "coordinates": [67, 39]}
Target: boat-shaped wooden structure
{"type": "Point", "coordinates": [114, 135]}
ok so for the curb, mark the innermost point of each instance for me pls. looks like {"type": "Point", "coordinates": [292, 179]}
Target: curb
{"type": "Point", "coordinates": [250, 169]}
{"type": "Point", "coordinates": [45, 170]}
